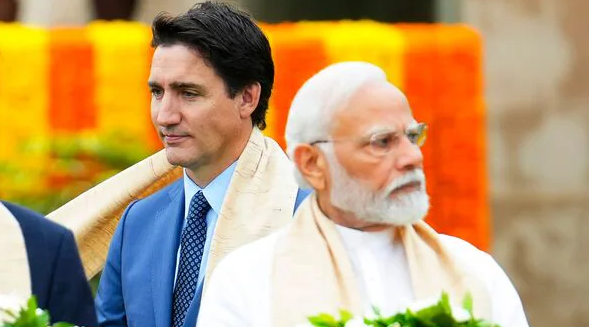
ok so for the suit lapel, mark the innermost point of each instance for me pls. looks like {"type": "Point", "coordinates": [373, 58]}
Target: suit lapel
{"type": "Point", "coordinates": [166, 237]}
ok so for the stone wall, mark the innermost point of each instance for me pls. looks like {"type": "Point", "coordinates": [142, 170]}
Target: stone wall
{"type": "Point", "coordinates": [537, 84]}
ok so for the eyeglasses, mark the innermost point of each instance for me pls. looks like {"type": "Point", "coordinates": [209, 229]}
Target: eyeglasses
{"type": "Point", "coordinates": [383, 142]}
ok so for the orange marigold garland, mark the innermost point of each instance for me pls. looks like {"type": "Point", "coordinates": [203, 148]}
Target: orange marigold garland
{"type": "Point", "coordinates": [71, 105]}
{"type": "Point", "coordinates": [93, 80]}
{"type": "Point", "coordinates": [296, 59]}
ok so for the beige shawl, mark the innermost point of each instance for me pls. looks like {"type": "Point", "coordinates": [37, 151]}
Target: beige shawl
{"type": "Point", "coordinates": [93, 215]}
{"type": "Point", "coordinates": [260, 198]}
{"type": "Point", "coordinates": [312, 272]}
{"type": "Point", "coordinates": [15, 277]}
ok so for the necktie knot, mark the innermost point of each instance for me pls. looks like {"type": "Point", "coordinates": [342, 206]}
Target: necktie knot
{"type": "Point", "coordinates": [199, 206]}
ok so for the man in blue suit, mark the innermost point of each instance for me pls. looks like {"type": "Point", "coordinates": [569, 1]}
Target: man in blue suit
{"type": "Point", "coordinates": [57, 276]}
{"type": "Point", "coordinates": [211, 79]}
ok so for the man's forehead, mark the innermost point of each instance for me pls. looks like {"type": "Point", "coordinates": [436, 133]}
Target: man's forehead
{"type": "Point", "coordinates": [166, 70]}
{"type": "Point", "coordinates": [177, 59]}
{"type": "Point", "coordinates": [379, 89]}
{"type": "Point", "coordinates": [378, 97]}
{"type": "Point", "coordinates": [372, 123]}
{"type": "Point", "coordinates": [399, 125]}
{"type": "Point", "coordinates": [172, 55]}
{"type": "Point", "coordinates": [372, 113]}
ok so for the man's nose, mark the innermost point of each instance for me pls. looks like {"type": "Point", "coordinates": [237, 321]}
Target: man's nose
{"type": "Point", "coordinates": [410, 156]}
{"type": "Point", "coordinates": [168, 113]}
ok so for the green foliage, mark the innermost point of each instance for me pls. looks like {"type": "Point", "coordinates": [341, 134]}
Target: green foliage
{"type": "Point", "coordinates": [437, 315]}
{"type": "Point", "coordinates": [30, 316]}
{"type": "Point", "coordinates": [325, 320]}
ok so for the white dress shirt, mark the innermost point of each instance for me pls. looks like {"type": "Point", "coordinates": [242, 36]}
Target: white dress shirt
{"type": "Point", "coordinates": [239, 290]}
{"type": "Point", "coordinates": [380, 268]}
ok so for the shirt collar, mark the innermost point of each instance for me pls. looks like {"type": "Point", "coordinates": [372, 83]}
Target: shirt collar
{"type": "Point", "coordinates": [214, 192]}
{"type": "Point", "coordinates": [354, 239]}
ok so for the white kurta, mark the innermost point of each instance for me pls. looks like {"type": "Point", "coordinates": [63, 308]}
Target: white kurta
{"type": "Point", "coordinates": [239, 290]}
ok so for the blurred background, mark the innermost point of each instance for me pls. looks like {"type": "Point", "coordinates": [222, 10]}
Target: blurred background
{"type": "Point", "coordinates": [535, 68]}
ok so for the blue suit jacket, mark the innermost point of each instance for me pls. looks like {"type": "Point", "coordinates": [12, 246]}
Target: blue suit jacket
{"type": "Point", "coordinates": [137, 281]}
{"type": "Point", "coordinates": [57, 276]}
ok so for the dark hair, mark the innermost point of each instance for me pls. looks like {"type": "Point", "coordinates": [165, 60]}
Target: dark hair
{"type": "Point", "coordinates": [229, 41]}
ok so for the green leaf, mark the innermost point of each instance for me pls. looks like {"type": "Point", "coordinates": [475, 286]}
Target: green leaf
{"type": "Point", "coordinates": [436, 315]}
{"type": "Point", "coordinates": [345, 316]}
{"type": "Point", "coordinates": [377, 311]}
{"type": "Point", "coordinates": [323, 320]}
{"type": "Point", "coordinates": [467, 304]}
{"type": "Point", "coordinates": [11, 313]}
{"type": "Point", "coordinates": [445, 303]}
{"type": "Point", "coordinates": [62, 324]}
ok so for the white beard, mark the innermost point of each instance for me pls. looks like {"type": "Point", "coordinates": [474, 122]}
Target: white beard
{"type": "Point", "coordinates": [351, 195]}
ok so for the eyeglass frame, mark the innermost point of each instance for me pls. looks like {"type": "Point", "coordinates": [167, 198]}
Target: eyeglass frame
{"type": "Point", "coordinates": [420, 128]}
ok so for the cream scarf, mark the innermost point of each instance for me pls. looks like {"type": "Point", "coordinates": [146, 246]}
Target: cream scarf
{"type": "Point", "coordinates": [312, 272]}
{"type": "Point", "coordinates": [260, 199]}
{"type": "Point", "coordinates": [15, 277]}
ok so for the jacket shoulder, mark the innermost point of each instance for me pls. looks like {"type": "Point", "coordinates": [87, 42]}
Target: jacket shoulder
{"type": "Point", "coordinates": [159, 198]}
{"type": "Point", "coordinates": [33, 223]}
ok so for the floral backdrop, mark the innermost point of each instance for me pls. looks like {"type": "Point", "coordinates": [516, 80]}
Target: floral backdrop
{"type": "Point", "coordinates": [74, 105]}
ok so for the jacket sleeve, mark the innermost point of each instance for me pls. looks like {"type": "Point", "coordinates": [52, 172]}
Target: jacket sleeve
{"type": "Point", "coordinates": [110, 304]}
{"type": "Point", "coordinates": [70, 298]}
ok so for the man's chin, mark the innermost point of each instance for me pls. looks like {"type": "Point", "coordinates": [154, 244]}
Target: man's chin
{"type": "Point", "coordinates": [404, 215]}
{"type": "Point", "coordinates": [175, 158]}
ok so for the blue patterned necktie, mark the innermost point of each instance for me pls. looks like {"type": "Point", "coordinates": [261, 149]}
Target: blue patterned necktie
{"type": "Point", "coordinates": [192, 244]}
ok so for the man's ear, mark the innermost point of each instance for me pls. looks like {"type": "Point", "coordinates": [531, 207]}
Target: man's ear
{"type": "Point", "coordinates": [249, 98]}
{"type": "Point", "coordinates": [312, 166]}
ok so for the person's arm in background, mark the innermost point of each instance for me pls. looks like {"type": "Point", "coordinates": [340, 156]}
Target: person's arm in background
{"type": "Point", "coordinates": [70, 298]}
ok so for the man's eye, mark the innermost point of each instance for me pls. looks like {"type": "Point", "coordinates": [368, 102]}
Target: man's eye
{"type": "Point", "coordinates": [156, 93]}
{"type": "Point", "coordinates": [382, 141]}
{"type": "Point", "coordinates": [417, 137]}
{"type": "Point", "coordinates": [189, 95]}
{"type": "Point", "coordinates": [413, 137]}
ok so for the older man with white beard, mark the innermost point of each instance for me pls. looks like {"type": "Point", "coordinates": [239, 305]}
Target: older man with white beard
{"type": "Point", "coordinates": [360, 239]}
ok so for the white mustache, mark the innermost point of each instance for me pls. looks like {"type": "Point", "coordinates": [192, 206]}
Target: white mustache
{"type": "Point", "coordinates": [413, 176]}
